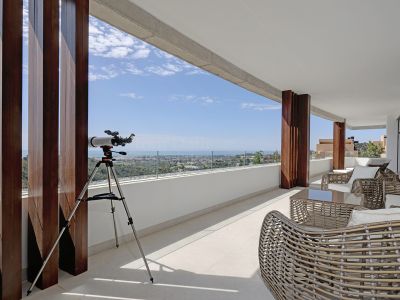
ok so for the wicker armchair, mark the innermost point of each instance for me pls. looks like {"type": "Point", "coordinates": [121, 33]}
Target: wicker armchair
{"type": "Point", "coordinates": [373, 189]}
{"type": "Point", "coordinates": [328, 178]}
{"type": "Point", "coordinates": [392, 186]}
{"type": "Point", "coordinates": [321, 214]}
{"type": "Point", "coordinates": [358, 262]}
{"type": "Point", "coordinates": [343, 178]}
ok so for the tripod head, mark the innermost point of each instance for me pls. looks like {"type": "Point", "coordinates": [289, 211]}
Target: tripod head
{"type": "Point", "coordinates": [108, 153]}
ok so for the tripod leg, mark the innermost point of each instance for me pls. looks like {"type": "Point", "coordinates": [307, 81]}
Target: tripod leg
{"type": "Point", "coordinates": [112, 206]}
{"type": "Point", "coordinates": [66, 225]}
{"type": "Point", "coordinates": [130, 222]}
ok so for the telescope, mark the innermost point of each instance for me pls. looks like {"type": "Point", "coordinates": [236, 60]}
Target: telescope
{"type": "Point", "coordinates": [106, 143]}
{"type": "Point", "coordinates": [113, 139]}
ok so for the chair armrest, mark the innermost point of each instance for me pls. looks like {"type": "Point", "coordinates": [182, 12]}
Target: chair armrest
{"type": "Point", "coordinates": [392, 186]}
{"type": "Point", "coordinates": [334, 178]}
{"type": "Point", "coordinates": [372, 189]}
{"type": "Point", "coordinates": [320, 214]}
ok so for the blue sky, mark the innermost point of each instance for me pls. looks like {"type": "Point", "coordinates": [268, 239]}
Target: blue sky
{"type": "Point", "coordinates": [171, 105]}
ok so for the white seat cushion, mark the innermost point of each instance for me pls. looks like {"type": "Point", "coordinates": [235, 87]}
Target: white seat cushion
{"type": "Point", "coordinates": [363, 172]}
{"type": "Point", "coordinates": [371, 216]}
{"type": "Point", "coordinates": [378, 161]}
{"type": "Point", "coordinates": [345, 188]}
{"type": "Point", "coordinates": [342, 171]}
{"type": "Point", "coordinates": [392, 200]}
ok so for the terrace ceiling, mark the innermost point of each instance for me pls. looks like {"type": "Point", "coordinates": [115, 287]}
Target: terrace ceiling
{"type": "Point", "coordinates": [344, 53]}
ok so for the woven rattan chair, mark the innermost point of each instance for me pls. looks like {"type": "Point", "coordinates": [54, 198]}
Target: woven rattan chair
{"type": "Point", "coordinates": [358, 262]}
{"type": "Point", "coordinates": [392, 186]}
{"type": "Point", "coordinates": [322, 214]}
{"type": "Point", "coordinates": [373, 189]}
{"type": "Point", "coordinates": [343, 178]}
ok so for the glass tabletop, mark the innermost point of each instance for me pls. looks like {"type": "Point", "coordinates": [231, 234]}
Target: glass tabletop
{"type": "Point", "coordinates": [329, 196]}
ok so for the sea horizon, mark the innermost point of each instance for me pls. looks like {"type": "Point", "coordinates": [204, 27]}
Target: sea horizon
{"type": "Point", "coordinates": [96, 152]}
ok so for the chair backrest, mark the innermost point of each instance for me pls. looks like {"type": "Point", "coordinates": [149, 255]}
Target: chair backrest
{"type": "Point", "coordinates": [371, 161]}
{"type": "Point", "coordinates": [358, 262]}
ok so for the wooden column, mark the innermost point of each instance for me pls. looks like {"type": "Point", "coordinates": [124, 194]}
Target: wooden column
{"type": "Point", "coordinates": [339, 147]}
{"type": "Point", "coordinates": [74, 131]}
{"type": "Point", "coordinates": [295, 146]}
{"type": "Point", "coordinates": [288, 153]}
{"type": "Point", "coordinates": [10, 149]}
{"type": "Point", "coordinates": [303, 148]}
{"type": "Point", "coordinates": [43, 139]}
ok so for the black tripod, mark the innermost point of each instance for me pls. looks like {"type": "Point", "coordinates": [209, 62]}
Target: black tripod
{"type": "Point", "coordinates": [107, 159]}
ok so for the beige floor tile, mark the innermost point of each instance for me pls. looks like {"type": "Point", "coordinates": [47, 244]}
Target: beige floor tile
{"type": "Point", "coordinates": [213, 256]}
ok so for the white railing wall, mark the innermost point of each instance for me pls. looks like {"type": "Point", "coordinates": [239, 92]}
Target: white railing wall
{"type": "Point", "coordinates": [158, 203]}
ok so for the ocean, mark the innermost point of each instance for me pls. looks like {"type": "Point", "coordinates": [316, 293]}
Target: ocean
{"type": "Point", "coordinates": [97, 152]}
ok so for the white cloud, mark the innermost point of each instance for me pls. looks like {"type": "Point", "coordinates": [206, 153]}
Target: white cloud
{"type": "Point", "coordinates": [118, 52]}
{"type": "Point", "coordinates": [207, 100]}
{"type": "Point", "coordinates": [132, 69]}
{"type": "Point", "coordinates": [259, 106]}
{"type": "Point", "coordinates": [204, 100]}
{"type": "Point", "coordinates": [141, 53]}
{"type": "Point", "coordinates": [102, 73]}
{"type": "Point", "coordinates": [159, 71]}
{"type": "Point", "coordinates": [176, 65]}
{"type": "Point", "coordinates": [131, 95]}
{"type": "Point", "coordinates": [107, 41]}
{"type": "Point", "coordinates": [162, 54]}
{"type": "Point", "coordinates": [173, 67]}
{"type": "Point", "coordinates": [197, 71]}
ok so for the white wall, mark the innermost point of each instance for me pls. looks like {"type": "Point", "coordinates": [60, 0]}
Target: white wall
{"type": "Point", "coordinates": [349, 162]}
{"type": "Point", "coordinates": [158, 203]}
{"type": "Point", "coordinates": [391, 132]}
{"type": "Point", "coordinates": [164, 200]}
{"type": "Point", "coordinates": [320, 166]}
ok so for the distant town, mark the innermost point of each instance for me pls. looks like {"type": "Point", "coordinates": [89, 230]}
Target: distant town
{"type": "Point", "coordinates": [157, 164]}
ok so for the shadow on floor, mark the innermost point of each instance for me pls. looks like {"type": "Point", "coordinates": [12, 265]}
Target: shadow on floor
{"type": "Point", "coordinates": [120, 274]}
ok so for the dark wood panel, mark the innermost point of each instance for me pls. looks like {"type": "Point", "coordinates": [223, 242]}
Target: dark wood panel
{"type": "Point", "coordinates": [43, 138]}
{"type": "Point", "coordinates": [295, 146]}
{"type": "Point", "coordinates": [303, 148]}
{"type": "Point", "coordinates": [339, 132]}
{"type": "Point", "coordinates": [288, 141]}
{"type": "Point", "coordinates": [74, 130]}
{"type": "Point", "coordinates": [10, 149]}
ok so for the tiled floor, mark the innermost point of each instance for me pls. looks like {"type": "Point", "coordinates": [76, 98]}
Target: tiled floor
{"type": "Point", "coordinates": [213, 256]}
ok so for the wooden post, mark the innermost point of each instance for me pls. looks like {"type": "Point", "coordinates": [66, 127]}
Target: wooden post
{"type": "Point", "coordinates": [74, 131]}
{"type": "Point", "coordinates": [288, 153]}
{"type": "Point", "coordinates": [10, 149]}
{"type": "Point", "coordinates": [303, 148]}
{"type": "Point", "coordinates": [339, 147]}
{"type": "Point", "coordinates": [295, 139]}
{"type": "Point", "coordinates": [43, 139]}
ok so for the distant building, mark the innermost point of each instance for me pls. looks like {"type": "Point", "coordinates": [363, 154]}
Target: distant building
{"type": "Point", "coordinates": [382, 143]}
{"type": "Point", "coordinates": [325, 148]}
